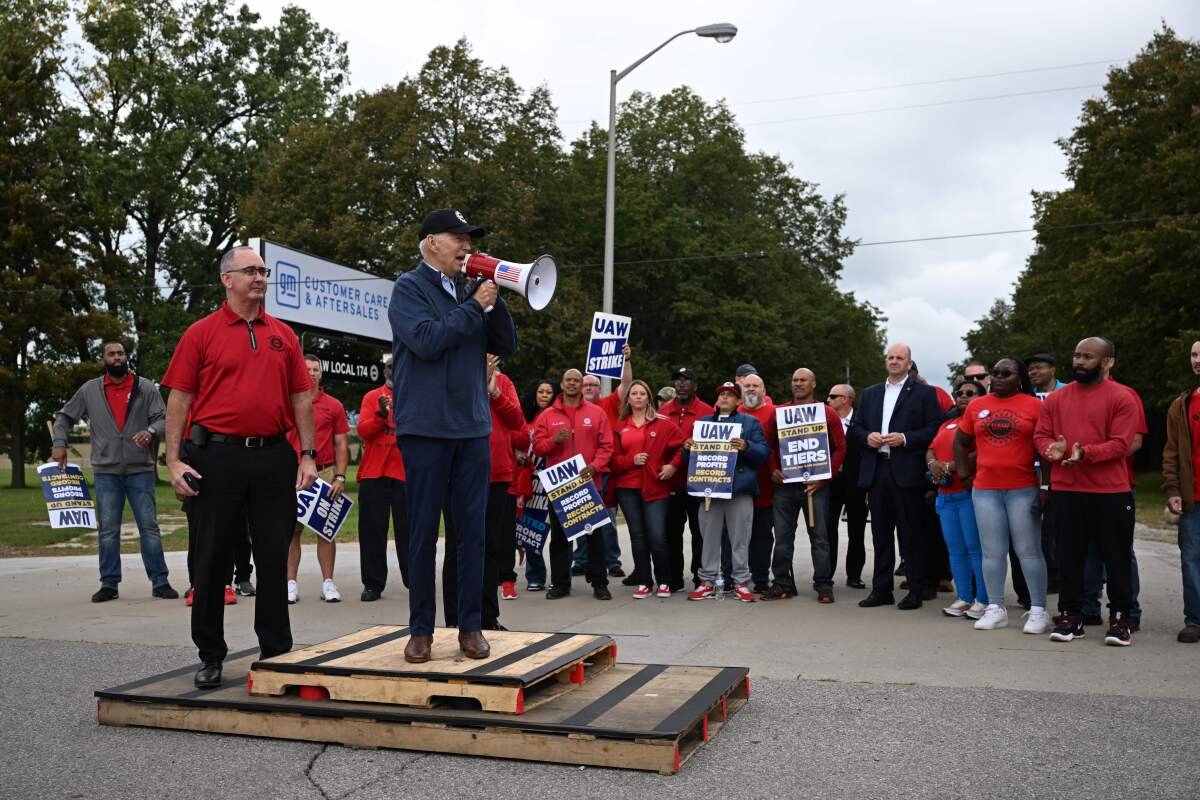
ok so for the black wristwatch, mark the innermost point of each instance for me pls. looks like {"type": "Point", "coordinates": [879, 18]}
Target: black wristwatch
{"type": "Point", "coordinates": [309, 452]}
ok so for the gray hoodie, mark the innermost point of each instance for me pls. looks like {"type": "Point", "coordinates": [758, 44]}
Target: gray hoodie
{"type": "Point", "coordinates": [113, 451]}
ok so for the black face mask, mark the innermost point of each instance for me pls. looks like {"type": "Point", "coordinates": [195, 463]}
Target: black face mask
{"type": "Point", "coordinates": [117, 370]}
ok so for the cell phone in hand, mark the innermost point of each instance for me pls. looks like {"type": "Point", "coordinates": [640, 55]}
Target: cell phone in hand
{"type": "Point", "coordinates": [192, 481]}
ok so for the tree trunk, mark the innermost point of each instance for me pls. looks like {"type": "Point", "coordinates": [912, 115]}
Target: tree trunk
{"type": "Point", "coordinates": [17, 451]}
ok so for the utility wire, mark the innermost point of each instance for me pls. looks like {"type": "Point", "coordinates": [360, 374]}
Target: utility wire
{"type": "Point", "coordinates": [741, 255]}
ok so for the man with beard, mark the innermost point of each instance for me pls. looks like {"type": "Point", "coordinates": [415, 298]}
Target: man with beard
{"type": "Point", "coordinates": [683, 410]}
{"type": "Point", "coordinates": [1085, 431]}
{"type": "Point", "coordinates": [127, 417]}
{"type": "Point", "coordinates": [762, 535]}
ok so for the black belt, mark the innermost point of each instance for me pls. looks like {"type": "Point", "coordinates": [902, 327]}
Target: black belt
{"type": "Point", "coordinates": [247, 441]}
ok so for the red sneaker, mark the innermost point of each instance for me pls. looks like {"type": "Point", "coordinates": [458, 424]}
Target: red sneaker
{"type": "Point", "coordinates": [508, 590]}
{"type": "Point", "coordinates": [642, 592]}
{"type": "Point", "coordinates": [187, 596]}
{"type": "Point", "coordinates": [743, 593]}
{"type": "Point", "coordinates": [230, 596]}
{"type": "Point", "coordinates": [703, 592]}
{"type": "Point", "coordinates": [663, 591]}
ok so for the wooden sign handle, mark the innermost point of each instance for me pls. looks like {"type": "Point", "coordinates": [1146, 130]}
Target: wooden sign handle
{"type": "Point", "coordinates": [810, 510]}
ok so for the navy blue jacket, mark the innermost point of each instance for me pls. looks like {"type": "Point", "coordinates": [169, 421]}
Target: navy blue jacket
{"type": "Point", "coordinates": [439, 351]}
{"type": "Point", "coordinates": [917, 415]}
{"type": "Point", "coordinates": [745, 476]}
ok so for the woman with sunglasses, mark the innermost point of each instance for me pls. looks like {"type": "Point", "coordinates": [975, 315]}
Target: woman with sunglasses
{"type": "Point", "coordinates": [956, 512]}
{"type": "Point", "coordinates": [1005, 489]}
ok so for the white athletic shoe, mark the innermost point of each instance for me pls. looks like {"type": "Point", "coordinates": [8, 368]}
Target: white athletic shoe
{"type": "Point", "coordinates": [957, 608]}
{"type": "Point", "coordinates": [976, 610]}
{"type": "Point", "coordinates": [1037, 620]}
{"type": "Point", "coordinates": [329, 592]}
{"type": "Point", "coordinates": [293, 592]}
{"type": "Point", "coordinates": [993, 617]}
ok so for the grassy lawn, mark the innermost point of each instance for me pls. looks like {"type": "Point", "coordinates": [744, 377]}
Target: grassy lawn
{"type": "Point", "coordinates": [25, 528]}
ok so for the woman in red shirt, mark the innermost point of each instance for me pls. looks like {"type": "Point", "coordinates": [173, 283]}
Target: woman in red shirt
{"type": "Point", "coordinates": [956, 512]}
{"type": "Point", "coordinates": [1005, 489]}
{"type": "Point", "coordinates": [646, 444]}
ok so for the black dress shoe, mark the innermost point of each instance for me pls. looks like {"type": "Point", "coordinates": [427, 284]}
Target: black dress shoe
{"type": "Point", "coordinates": [209, 676]}
{"type": "Point", "coordinates": [872, 600]}
{"type": "Point", "coordinates": [632, 580]}
{"type": "Point", "coordinates": [855, 583]}
{"type": "Point", "coordinates": [616, 572]}
{"type": "Point", "coordinates": [555, 592]}
{"type": "Point", "coordinates": [601, 593]}
{"type": "Point", "coordinates": [370, 595]}
{"type": "Point", "coordinates": [105, 594]}
{"type": "Point", "coordinates": [911, 601]}
{"type": "Point", "coordinates": [165, 592]}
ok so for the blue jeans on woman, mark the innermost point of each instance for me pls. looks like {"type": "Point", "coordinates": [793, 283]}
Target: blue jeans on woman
{"type": "Point", "coordinates": [1005, 515]}
{"type": "Point", "coordinates": [647, 536]}
{"type": "Point", "coordinates": [111, 491]}
{"type": "Point", "coordinates": [957, 514]}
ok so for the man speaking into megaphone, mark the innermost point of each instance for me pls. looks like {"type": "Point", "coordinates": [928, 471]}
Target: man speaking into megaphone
{"type": "Point", "coordinates": [440, 341]}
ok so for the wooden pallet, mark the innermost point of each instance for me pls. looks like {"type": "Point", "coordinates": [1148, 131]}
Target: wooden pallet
{"type": "Point", "coordinates": [524, 671]}
{"type": "Point", "coordinates": [632, 716]}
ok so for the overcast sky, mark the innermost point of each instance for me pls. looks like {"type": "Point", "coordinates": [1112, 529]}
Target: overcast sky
{"type": "Point", "coordinates": [948, 169]}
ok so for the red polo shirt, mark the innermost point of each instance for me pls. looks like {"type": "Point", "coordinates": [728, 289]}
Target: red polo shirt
{"type": "Point", "coordinates": [117, 395]}
{"type": "Point", "coordinates": [329, 419]}
{"type": "Point", "coordinates": [380, 455]}
{"type": "Point", "coordinates": [240, 386]}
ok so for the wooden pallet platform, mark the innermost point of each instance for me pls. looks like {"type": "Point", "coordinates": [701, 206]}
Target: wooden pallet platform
{"type": "Point", "coordinates": [524, 671]}
{"type": "Point", "coordinates": [632, 716]}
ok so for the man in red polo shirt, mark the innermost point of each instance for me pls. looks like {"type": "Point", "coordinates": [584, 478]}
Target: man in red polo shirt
{"type": "Point", "coordinates": [240, 375]}
{"type": "Point", "coordinates": [381, 490]}
{"type": "Point", "coordinates": [333, 456]}
{"type": "Point", "coordinates": [683, 410]}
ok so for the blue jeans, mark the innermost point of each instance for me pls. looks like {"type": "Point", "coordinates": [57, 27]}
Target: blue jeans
{"type": "Point", "coordinates": [1189, 556]}
{"type": "Point", "coordinates": [791, 502]}
{"type": "Point", "coordinates": [535, 567]}
{"type": "Point", "coordinates": [111, 492]}
{"type": "Point", "coordinates": [1005, 515]}
{"type": "Point", "coordinates": [957, 513]}
{"type": "Point", "coordinates": [647, 536]}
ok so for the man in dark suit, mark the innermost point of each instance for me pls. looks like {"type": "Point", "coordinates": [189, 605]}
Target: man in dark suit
{"type": "Point", "coordinates": [440, 341]}
{"type": "Point", "coordinates": [895, 423]}
{"type": "Point", "coordinates": [844, 493]}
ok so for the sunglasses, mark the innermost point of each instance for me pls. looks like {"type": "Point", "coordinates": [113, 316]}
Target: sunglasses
{"type": "Point", "coordinates": [834, 396]}
{"type": "Point", "coordinates": [967, 393]}
{"type": "Point", "coordinates": [1002, 373]}
{"type": "Point", "coordinates": [978, 376]}
{"type": "Point", "coordinates": [250, 272]}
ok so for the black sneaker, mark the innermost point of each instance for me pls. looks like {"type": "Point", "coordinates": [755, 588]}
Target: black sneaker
{"type": "Point", "coordinates": [165, 591]}
{"type": "Point", "coordinates": [601, 593]}
{"type": "Point", "coordinates": [555, 592]}
{"type": "Point", "coordinates": [370, 595]}
{"type": "Point", "coordinates": [105, 594]}
{"type": "Point", "coordinates": [1067, 627]}
{"type": "Point", "coordinates": [777, 592]}
{"type": "Point", "coordinates": [244, 589]}
{"type": "Point", "coordinates": [1118, 631]}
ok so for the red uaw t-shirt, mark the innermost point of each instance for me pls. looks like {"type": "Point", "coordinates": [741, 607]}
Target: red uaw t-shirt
{"type": "Point", "coordinates": [633, 441]}
{"type": "Point", "coordinates": [1003, 431]}
{"type": "Point", "coordinates": [1194, 426]}
{"type": "Point", "coordinates": [242, 376]}
{"type": "Point", "coordinates": [943, 450]}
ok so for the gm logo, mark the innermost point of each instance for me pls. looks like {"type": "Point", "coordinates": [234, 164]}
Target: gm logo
{"type": "Point", "coordinates": [287, 284]}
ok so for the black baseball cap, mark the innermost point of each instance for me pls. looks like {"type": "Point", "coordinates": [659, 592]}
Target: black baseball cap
{"type": "Point", "coordinates": [685, 372]}
{"type": "Point", "coordinates": [746, 369]}
{"type": "Point", "coordinates": [1044, 357]}
{"type": "Point", "coordinates": [447, 220]}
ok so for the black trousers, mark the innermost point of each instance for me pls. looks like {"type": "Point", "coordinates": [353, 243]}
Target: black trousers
{"type": "Point", "coordinates": [240, 486]}
{"type": "Point", "coordinates": [241, 568]}
{"type": "Point", "coordinates": [895, 509]}
{"type": "Point", "coordinates": [560, 556]}
{"type": "Point", "coordinates": [682, 508]}
{"type": "Point", "coordinates": [845, 494]}
{"type": "Point", "coordinates": [501, 516]}
{"type": "Point", "coordinates": [379, 499]}
{"type": "Point", "coordinates": [937, 557]}
{"type": "Point", "coordinates": [1105, 520]}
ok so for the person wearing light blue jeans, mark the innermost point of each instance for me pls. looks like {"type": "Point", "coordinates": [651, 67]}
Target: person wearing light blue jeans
{"type": "Point", "coordinates": [111, 493]}
{"type": "Point", "coordinates": [1004, 514]}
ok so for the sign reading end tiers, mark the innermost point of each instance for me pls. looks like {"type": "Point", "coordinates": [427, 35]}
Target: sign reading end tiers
{"type": "Point", "coordinates": [322, 295]}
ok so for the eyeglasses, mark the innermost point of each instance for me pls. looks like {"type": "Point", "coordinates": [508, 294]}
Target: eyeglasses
{"type": "Point", "coordinates": [250, 272]}
{"type": "Point", "coordinates": [978, 376]}
{"type": "Point", "coordinates": [1002, 373]}
{"type": "Point", "coordinates": [971, 393]}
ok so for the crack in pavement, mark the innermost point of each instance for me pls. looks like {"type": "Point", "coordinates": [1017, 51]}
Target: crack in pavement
{"type": "Point", "coordinates": [312, 762]}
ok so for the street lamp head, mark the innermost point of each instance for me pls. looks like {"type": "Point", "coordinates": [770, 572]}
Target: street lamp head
{"type": "Point", "coordinates": [722, 31]}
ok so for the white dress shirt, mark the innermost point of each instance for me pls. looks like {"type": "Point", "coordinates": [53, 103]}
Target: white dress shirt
{"type": "Point", "coordinates": [891, 393]}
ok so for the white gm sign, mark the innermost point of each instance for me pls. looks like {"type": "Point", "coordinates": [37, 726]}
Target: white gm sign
{"type": "Point", "coordinates": [321, 294]}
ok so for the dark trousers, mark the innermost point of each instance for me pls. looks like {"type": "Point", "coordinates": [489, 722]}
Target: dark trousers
{"type": "Point", "coordinates": [762, 543]}
{"type": "Point", "coordinates": [501, 517]}
{"type": "Point", "coordinates": [896, 509]}
{"type": "Point", "coordinates": [560, 556]}
{"type": "Point", "coordinates": [240, 486]}
{"type": "Point", "coordinates": [937, 558]}
{"type": "Point", "coordinates": [647, 536]}
{"type": "Point", "coordinates": [1105, 520]}
{"type": "Point", "coordinates": [682, 508]}
{"type": "Point", "coordinates": [845, 494]}
{"type": "Point", "coordinates": [241, 568]}
{"type": "Point", "coordinates": [378, 500]}
{"type": "Point", "coordinates": [438, 469]}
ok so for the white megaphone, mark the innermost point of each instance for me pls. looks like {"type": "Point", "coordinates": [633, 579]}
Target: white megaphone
{"type": "Point", "coordinates": [535, 282]}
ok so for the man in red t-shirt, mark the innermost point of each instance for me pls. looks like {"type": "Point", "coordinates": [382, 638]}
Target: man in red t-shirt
{"type": "Point", "coordinates": [239, 377]}
{"type": "Point", "coordinates": [333, 456]}
{"type": "Point", "coordinates": [1181, 482]}
{"type": "Point", "coordinates": [611, 405]}
{"type": "Point", "coordinates": [683, 410]}
{"type": "Point", "coordinates": [381, 490]}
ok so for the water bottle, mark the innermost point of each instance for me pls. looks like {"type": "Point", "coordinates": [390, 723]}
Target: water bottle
{"type": "Point", "coordinates": [719, 588]}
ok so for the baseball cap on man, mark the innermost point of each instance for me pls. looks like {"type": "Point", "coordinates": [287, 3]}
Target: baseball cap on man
{"type": "Point", "coordinates": [746, 369]}
{"type": "Point", "coordinates": [684, 372]}
{"type": "Point", "coordinates": [447, 220]}
{"type": "Point", "coordinates": [1043, 357]}
{"type": "Point", "coordinates": [730, 386]}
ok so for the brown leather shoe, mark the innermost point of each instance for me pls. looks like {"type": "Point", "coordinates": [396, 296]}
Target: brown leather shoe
{"type": "Point", "coordinates": [417, 649]}
{"type": "Point", "coordinates": [474, 645]}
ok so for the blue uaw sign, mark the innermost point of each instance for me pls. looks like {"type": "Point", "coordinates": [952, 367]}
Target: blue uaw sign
{"type": "Point", "coordinates": [803, 443]}
{"type": "Point", "coordinates": [316, 509]}
{"type": "Point", "coordinates": [712, 459]}
{"type": "Point", "coordinates": [68, 500]}
{"type": "Point", "coordinates": [575, 499]}
{"type": "Point", "coordinates": [606, 356]}
{"type": "Point", "coordinates": [533, 526]}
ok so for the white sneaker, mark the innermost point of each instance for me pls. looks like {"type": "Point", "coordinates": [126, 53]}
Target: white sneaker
{"type": "Point", "coordinates": [1037, 620]}
{"type": "Point", "coordinates": [293, 592]}
{"type": "Point", "coordinates": [957, 608]}
{"type": "Point", "coordinates": [976, 610]}
{"type": "Point", "coordinates": [329, 592]}
{"type": "Point", "coordinates": [993, 617]}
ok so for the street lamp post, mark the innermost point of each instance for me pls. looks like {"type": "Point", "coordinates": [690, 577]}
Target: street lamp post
{"type": "Point", "coordinates": [723, 32]}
